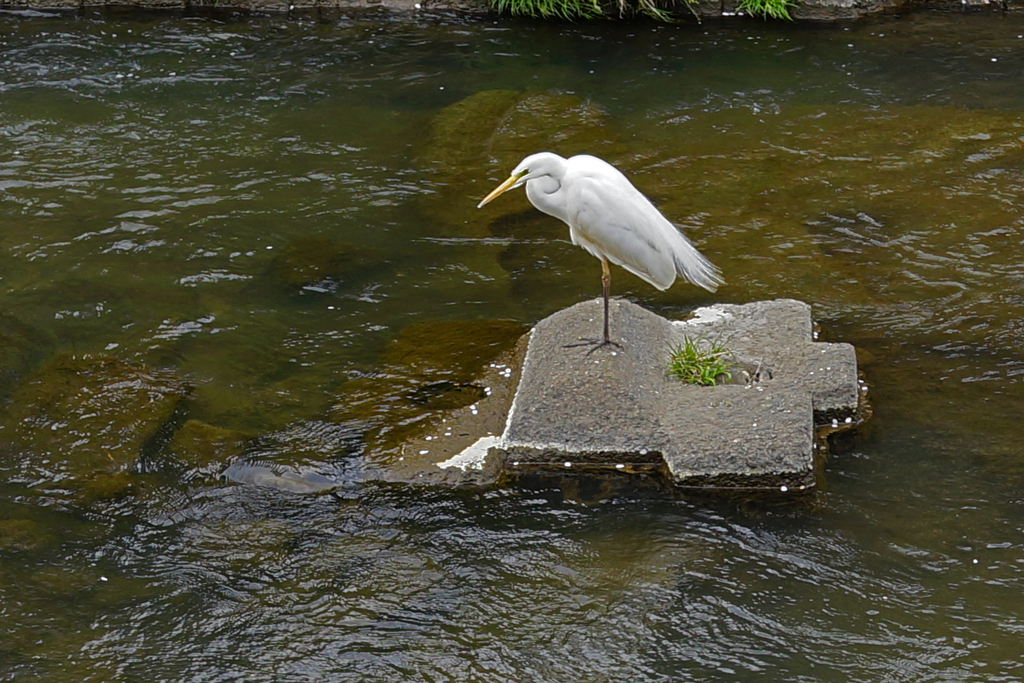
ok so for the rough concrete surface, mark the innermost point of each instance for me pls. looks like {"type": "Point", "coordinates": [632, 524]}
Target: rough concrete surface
{"type": "Point", "coordinates": [617, 409]}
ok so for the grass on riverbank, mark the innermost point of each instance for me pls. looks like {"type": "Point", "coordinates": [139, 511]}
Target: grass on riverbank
{"type": "Point", "coordinates": [774, 9]}
{"type": "Point", "coordinates": [591, 9]}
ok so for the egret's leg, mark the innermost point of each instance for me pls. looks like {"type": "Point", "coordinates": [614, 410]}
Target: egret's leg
{"type": "Point", "coordinates": [606, 286]}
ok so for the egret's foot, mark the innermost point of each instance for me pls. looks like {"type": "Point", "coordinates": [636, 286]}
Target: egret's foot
{"type": "Point", "coordinates": [594, 344]}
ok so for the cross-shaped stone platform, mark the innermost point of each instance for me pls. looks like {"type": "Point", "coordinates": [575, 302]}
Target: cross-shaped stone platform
{"type": "Point", "coordinates": [618, 408]}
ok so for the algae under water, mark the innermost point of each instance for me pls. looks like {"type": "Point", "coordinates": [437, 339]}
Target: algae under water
{"type": "Point", "coordinates": [258, 238]}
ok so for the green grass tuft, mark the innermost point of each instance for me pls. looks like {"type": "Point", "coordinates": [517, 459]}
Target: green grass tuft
{"type": "Point", "coordinates": [570, 10]}
{"type": "Point", "coordinates": [579, 9]}
{"type": "Point", "coordinates": [699, 361]}
{"type": "Point", "coordinates": [776, 9]}
{"type": "Point", "coordinates": [550, 9]}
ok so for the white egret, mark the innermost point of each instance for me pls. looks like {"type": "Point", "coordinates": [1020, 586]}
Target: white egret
{"type": "Point", "coordinates": [611, 219]}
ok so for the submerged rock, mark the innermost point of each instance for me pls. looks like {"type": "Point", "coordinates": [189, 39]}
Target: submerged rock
{"type": "Point", "coordinates": [310, 445]}
{"type": "Point", "coordinates": [431, 368]}
{"type": "Point", "coordinates": [205, 449]}
{"type": "Point", "coordinates": [475, 143]}
{"type": "Point", "coordinates": [97, 486]}
{"type": "Point", "coordinates": [84, 420]}
{"type": "Point", "coordinates": [454, 449]}
{"type": "Point", "coordinates": [23, 535]}
{"type": "Point", "coordinates": [456, 349]}
{"type": "Point", "coordinates": [21, 348]}
{"type": "Point", "coordinates": [319, 264]}
{"type": "Point", "coordinates": [459, 133]}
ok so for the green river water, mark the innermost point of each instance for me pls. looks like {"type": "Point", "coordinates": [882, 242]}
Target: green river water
{"type": "Point", "coordinates": [261, 234]}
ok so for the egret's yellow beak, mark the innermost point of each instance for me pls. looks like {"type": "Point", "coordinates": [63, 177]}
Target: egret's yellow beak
{"type": "Point", "coordinates": [503, 188]}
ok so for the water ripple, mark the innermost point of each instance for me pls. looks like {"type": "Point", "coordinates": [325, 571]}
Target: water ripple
{"type": "Point", "coordinates": [185, 194]}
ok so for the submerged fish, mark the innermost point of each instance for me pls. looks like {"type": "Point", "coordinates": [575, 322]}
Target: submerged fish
{"type": "Point", "coordinates": [287, 480]}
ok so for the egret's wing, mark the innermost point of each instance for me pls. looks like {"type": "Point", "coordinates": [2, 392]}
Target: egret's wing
{"type": "Point", "coordinates": [613, 219]}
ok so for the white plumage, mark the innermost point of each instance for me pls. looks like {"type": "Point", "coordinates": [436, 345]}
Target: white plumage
{"type": "Point", "coordinates": [611, 219]}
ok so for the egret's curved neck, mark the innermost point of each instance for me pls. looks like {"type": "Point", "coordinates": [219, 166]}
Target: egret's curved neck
{"type": "Point", "coordinates": [545, 193]}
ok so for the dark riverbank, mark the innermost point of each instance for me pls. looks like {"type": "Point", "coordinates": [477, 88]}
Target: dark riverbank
{"type": "Point", "coordinates": [808, 10]}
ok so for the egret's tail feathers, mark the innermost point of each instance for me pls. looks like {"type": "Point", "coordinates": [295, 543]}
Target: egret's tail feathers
{"type": "Point", "coordinates": [692, 265]}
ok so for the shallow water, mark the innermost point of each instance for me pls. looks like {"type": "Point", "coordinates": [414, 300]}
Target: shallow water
{"type": "Point", "coordinates": [156, 172]}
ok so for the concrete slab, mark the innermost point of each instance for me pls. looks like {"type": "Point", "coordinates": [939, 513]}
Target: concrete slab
{"type": "Point", "coordinates": [619, 410]}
